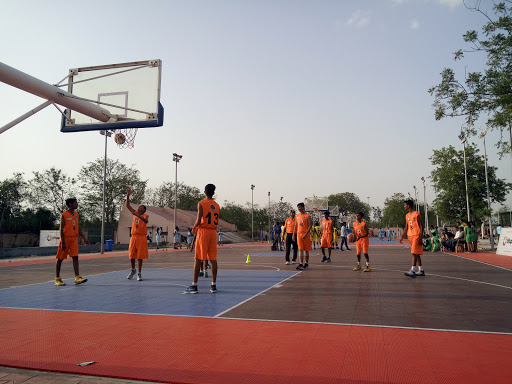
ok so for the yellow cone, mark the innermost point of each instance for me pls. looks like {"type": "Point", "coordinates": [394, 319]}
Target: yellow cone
{"type": "Point", "coordinates": [248, 259]}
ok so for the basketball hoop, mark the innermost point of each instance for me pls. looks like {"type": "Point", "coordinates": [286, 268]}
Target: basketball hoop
{"type": "Point", "coordinates": [125, 138]}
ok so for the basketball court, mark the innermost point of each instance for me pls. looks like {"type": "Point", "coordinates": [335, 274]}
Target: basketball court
{"type": "Point", "coordinates": [268, 322]}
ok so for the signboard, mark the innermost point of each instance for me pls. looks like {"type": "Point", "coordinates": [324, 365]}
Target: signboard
{"type": "Point", "coordinates": [505, 242]}
{"type": "Point", "coordinates": [49, 238]}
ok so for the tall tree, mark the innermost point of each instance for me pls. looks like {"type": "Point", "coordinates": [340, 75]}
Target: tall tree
{"type": "Point", "coordinates": [449, 183]}
{"type": "Point", "coordinates": [394, 212]}
{"type": "Point", "coordinates": [50, 189]}
{"type": "Point", "coordinates": [12, 197]}
{"type": "Point", "coordinates": [119, 177]}
{"type": "Point", "coordinates": [163, 196]}
{"type": "Point", "coordinates": [349, 203]}
{"type": "Point", "coordinates": [487, 94]}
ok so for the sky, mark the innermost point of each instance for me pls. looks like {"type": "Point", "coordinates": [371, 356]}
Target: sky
{"type": "Point", "coordinates": [300, 98]}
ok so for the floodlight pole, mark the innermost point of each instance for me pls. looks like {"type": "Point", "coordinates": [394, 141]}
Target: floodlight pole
{"type": "Point", "coordinates": [107, 134]}
{"type": "Point", "coordinates": [269, 213]}
{"type": "Point", "coordinates": [252, 213]}
{"type": "Point", "coordinates": [176, 158]}
{"type": "Point", "coordinates": [463, 139]}
{"type": "Point", "coordinates": [425, 201]}
{"type": "Point", "coordinates": [416, 198]}
{"type": "Point", "coordinates": [491, 236]}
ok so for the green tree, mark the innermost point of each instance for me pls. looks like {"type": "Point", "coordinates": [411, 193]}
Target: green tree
{"type": "Point", "coordinates": [487, 94]}
{"type": "Point", "coordinates": [394, 211]}
{"type": "Point", "coordinates": [12, 197]}
{"type": "Point", "coordinates": [119, 177]}
{"type": "Point", "coordinates": [163, 196]}
{"type": "Point", "coordinates": [448, 181]}
{"type": "Point", "coordinates": [349, 203]}
{"type": "Point", "coordinates": [50, 189]}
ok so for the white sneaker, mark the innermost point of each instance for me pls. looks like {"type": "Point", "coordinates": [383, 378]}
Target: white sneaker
{"type": "Point", "coordinates": [287, 263]}
{"type": "Point", "coordinates": [139, 276]}
{"type": "Point", "coordinates": [132, 273]}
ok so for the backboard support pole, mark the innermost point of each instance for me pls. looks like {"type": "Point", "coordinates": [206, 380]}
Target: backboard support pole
{"type": "Point", "coordinates": [25, 116]}
{"type": "Point", "coordinates": [30, 84]}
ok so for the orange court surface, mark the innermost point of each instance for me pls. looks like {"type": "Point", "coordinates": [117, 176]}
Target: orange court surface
{"type": "Point", "coordinates": [268, 322]}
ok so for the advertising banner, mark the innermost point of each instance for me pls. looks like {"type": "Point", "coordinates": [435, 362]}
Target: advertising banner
{"type": "Point", "coordinates": [49, 238]}
{"type": "Point", "coordinates": [505, 242]}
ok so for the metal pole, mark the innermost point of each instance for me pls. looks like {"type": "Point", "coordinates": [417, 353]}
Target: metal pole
{"type": "Point", "coordinates": [25, 116]}
{"type": "Point", "coordinates": [176, 158]}
{"type": "Point", "coordinates": [510, 142]}
{"type": "Point", "coordinates": [491, 236]}
{"type": "Point", "coordinates": [107, 134]}
{"type": "Point", "coordinates": [269, 214]}
{"type": "Point", "coordinates": [425, 202]}
{"type": "Point", "coordinates": [252, 213]}
{"type": "Point", "coordinates": [466, 179]}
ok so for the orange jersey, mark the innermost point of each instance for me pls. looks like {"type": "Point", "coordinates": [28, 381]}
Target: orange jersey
{"type": "Point", "coordinates": [303, 222]}
{"type": "Point", "coordinates": [289, 224]}
{"type": "Point", "coordinates": [413, 219]}
{"type": "Point", "coordinates": [327, 226]}
{"type": "Point", "coordinates": [70, 224]}
{"type": "Point", "coordinates": [211, 212]}
{"type": "Point", "coordinates": [139, 227]}
{"type": "Point", "coordinates": [360, 229]}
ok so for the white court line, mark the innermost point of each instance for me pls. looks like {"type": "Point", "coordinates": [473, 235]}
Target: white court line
{"type": "Point", "coordinates": [274, 321]}
{"type": "Point", "coordinates": [259, 293]}
{"type": "Point", "coordinates": [477, 261]}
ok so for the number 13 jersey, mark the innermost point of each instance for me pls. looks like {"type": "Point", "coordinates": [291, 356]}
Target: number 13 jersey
{"type": "Point", "coordinates": [211, 211]}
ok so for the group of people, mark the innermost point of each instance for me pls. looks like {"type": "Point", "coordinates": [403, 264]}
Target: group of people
{"type": "Point", "coordinates": [279, 235]}
{"type": "Point", "coordinates": [204, 240]}
{"type": "Point", "coordinates": [296, 233]}
{"type": "Point", "coordinates": [466, 237]}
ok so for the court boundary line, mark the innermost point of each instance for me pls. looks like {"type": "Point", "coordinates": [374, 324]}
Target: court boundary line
{"type": "Point", "coordinates": [272, 320]}
{"type": "Point", "coordinates": [476, 261]}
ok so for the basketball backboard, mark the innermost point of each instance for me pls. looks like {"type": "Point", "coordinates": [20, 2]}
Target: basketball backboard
{"type": "Point", "coordinates": [320, 203]}
{"type": "Point", "coordinates": [128, 91]}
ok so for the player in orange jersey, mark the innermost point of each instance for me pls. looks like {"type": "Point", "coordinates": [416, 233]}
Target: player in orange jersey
{"type": "Point", "coordinates": [138, 248]}
{"type": "Point", "coordinates": [205, 227]}
{"type": "Point", "coordinates": [327, 230]}
{"type": "Point", "coordinates": [289, 225]}
{"type": "Point", "coordinates": [414, 230]}
{"type": "Point", "coordinates": [68, 243]}
{"type": "Point", "coordinates": [302, 234]}
{"type": "Point", "coordinates": [362, 241]}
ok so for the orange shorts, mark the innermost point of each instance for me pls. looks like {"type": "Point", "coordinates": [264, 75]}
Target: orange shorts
{"type": "Point", "coordinates": [326, 240]}
{"type": "Point", "coordinates": [138, 248]}
{"type": "Point", "coordinates": [71, 248]}
{"type": "Point", "coordinates": [416, 247]}
{"type": "Point", "coordinates": [206, 244]}
{"type": "Point", "coordinates": [362, 245]}
{"type": "Point", "coordinates": [304, 244]}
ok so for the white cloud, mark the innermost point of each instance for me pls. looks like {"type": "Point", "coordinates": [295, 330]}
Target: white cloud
{"type": "Point", "coordinates": [414, 24]}
{"type": "Point", "coordinates": [359, 19]}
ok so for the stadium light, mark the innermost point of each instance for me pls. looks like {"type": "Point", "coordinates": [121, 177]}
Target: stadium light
{"type": "Point", "coordinates": [176, 158]}
{"type": "Point", "coordinates": [252, 213]}
{"type": "Point", "coordinates": [491, 236]}
{"type": "Point", "coordinates": [462, 138]}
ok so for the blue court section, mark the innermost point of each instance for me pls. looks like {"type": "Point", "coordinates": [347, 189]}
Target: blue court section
{"type": "Point", "coordinates": [161, 292]}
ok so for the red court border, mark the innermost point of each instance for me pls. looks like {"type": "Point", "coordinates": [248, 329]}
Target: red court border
{"type": "Point", "coordinates": [199, 350]}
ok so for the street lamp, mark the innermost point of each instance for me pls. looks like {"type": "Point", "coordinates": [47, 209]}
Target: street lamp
{"type": "Point", "coordinates": [369, 207]}
{"type": "Point", "coordinates": [491, 236]}
{"type": "Point", "coordinates": [416, 198]}
{"type": "Point", "coordinates": [269, 212]}
{"type": "Point", "coordinates": [425, 201]}
{"type": "Point", "coordinates": [463, 140]}
{"type": "Point", "coordinates": [252, 213]}
{"type": "Point", "coordinates": [176, 158]}
{"type": "Point", "coordinates": [107, 134]}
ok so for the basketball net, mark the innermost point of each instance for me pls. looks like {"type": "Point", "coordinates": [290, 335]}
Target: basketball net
{"type": "Point", "coordinates": [129, 137]}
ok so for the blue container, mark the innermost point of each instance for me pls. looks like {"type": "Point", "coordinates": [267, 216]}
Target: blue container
{"type": "Point", "coordinates": [109, 245]}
